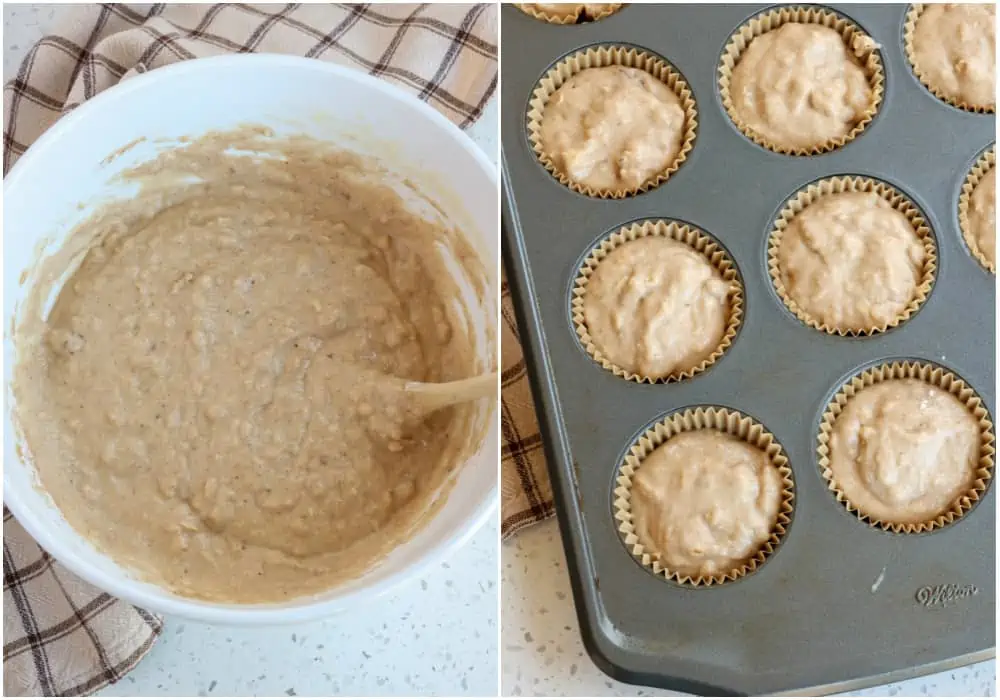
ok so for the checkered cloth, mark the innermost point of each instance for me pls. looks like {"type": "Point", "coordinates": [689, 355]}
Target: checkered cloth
{"type": "Point", "coordinates": [444, 53]}
{"type": "Point", "coordinates": [525, 492]}
{"type": "Point", "coordinates": [61, 635]}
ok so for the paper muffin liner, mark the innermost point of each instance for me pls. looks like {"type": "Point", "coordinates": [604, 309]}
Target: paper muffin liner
{"type": "Point", "coordinates": [726, 421]}
{"type": "Point", "coordinates": [682, 233]}
{"type": "Point", "coordinates": [601, 57]}
{"type": "Point", "coordinates": [837, 185]}
{"type": "Point", "coordinates": [983, 165]}
{"type": "Point", "coordinates": [862, 46]}
{"type": "Point", "coordinates": [579, 16]}
{"type": "Point", "coordinates": [909, 27]}
{"type": "Point", "coordinates": [936, 376]}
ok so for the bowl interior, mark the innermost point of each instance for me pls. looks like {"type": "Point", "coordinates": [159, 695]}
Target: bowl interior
{"type": "Point", "coordinates": [65, 175]}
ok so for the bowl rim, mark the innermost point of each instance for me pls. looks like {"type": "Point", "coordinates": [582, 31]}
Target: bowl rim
{"type": "Point", "coordinates": [159, 600]}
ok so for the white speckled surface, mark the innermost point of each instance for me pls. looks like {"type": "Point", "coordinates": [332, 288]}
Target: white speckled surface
{"type": "Point", "coordinates": [23, 25]}
{"type": "Point", "coordinates": [542, 653]}
{"type": "Point", "coordinates": [435, 637]}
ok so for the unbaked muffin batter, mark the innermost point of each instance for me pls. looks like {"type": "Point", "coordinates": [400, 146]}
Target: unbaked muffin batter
{"type": "Point", "coordinates": [851, 261]}
{"type": "Point", "coordinates": [612, 128]}
{"type": "Point", "coordinates": [903, 450]}
{"type": "Point", "coordinates": [579, 11]}
{"type": "Point", "coordinates": [215, 397]}
{"type": "Point", "coordinates": [655, 306]}
{"type": "Point", "coordinates": [798, 86]}
{"type": "Point", "coordinates": [705, 502]}
{"type": "Point", "coordinates": [983, 216]}
{"type": "Point", "coordinates": [954, 49]}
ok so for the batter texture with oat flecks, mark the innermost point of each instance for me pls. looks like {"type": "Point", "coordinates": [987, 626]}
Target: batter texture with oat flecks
{"type": "Point", "coordinates": [851, 261]}
{"type": "Point", "coordinates": [954, 48]}
{"type": "Point", "coordinates": [983, 216]}
{"type": "Point", "coordinates": [903, 451]}
{"type": "Point", "coordinates": [705, 502]}
{"type": "Point", "coordinates": [655, 306]}
{"type": "Point", "coordinates": [215, 398]}
{"type": "Point", "coordinates": [613, 128]}
{"type": "Point", "coordinates": [798, 86]}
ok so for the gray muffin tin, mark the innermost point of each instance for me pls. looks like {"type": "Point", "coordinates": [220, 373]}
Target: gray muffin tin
{"type": "Point", "coordinates": [841, 604]}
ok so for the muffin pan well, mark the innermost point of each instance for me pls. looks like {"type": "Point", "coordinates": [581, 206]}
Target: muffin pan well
{"type": "Point", "coordinates": [813, 194]}
{"type": "Point", "coordinates": [857, 44]}
{"type": "Point", "coordinates": [604, 57]}
{"type": "Point", "coordinates": [841, 604]}
{"type": "Point", "coordinates": [699, 243]}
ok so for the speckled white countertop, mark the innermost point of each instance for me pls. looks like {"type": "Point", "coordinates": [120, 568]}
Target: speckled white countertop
{"type": "Point", "coordinates": [437, 636]}
{"type": "Point", "coordinates": [542, 653]}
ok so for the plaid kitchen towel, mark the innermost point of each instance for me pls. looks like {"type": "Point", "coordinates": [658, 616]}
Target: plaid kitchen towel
{"type": "Point", "coordinates": [525, 492]}
{"type": "Point", "coordinates": [446, 54]}
{"type": "Point", "coordinates": [62, 636]}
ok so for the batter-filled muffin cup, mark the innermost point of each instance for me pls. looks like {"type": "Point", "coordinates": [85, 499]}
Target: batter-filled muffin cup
{"type": "Point", "coordinates": [569, 12]}
{"type": "Point", "coordinates": [851, 256]}
{"type": "Point", "coordinates": [612, 121]}
{"type": "Point", "coordinates": [801, 81]}
{"type": "Point", "coordinates": [657, 301]}
{"type": "Point", "coordinates": [907, 447]}
{"type": "Point", "coordinates": [704, 497]}
{"type": "Point", "coordinates": [952, 50]}
{"type": "Point", "coordinates": [977, 210]}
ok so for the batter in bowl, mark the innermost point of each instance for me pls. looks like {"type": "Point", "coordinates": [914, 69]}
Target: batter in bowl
{"type": "Point", "coordinates": [903, 451]}
{"type": "Point", "coordinates": [982, 233]}
{"type": "Point", "coordinates": [851, 261]}
{"type": "Point", "coordinates": [954, 51]}
{"type": "Point", "coordinates": [214, 398]}
{"type": "Point", "coordinates": [655, 306]}
{"type": "Point", "coordinates": [705, 502]}
{"type": "Point", "coordinates": [612, 128]}
{"type": "Point", "coordinates": [798, 86]}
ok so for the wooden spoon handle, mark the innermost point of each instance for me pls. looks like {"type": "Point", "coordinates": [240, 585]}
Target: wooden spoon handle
{"type": "Point", "coordinates": [435, 396]}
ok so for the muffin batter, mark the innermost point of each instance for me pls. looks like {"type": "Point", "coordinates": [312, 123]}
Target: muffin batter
{"type": "Point", "coordinates": [215, 397]}
{"type": "Point", "coordinates": [612, 128]}
{"type": "Point", "coordinates": [578, 11]}
{"type": "Point", "coordinates": [954, 50]}
{"type": "Point", "coordinates": [851, 261]}
{"type": "Point", "coordinates": [983, 216]}
{"type": "Point", "coordinates": [903, 450]}
{"type": "Point", "coordinates": [705, 502]}
{"type": "Point", "coordinates": [655, 306]}
{"type": "Point", "coordinates": [798, 86]}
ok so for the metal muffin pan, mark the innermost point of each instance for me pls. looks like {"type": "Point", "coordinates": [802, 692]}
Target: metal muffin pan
{"type": "Point", "coordinates": [841, 604]}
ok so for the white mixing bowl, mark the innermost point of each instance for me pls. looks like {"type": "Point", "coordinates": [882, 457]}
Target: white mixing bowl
{"type": "Point", "coordinates": [347, 107]}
